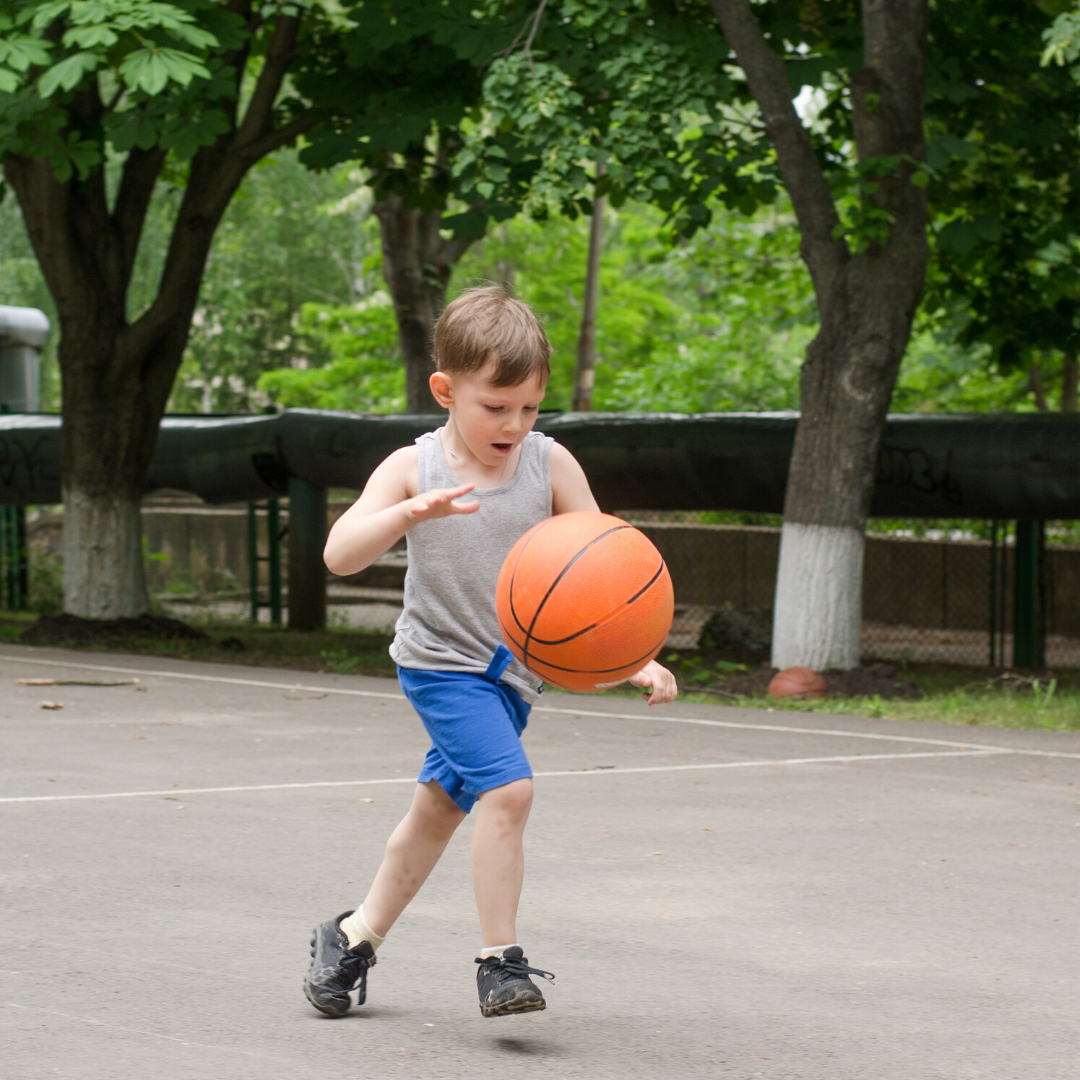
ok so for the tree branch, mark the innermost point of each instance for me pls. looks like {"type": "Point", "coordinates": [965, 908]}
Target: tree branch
{"type": "Point", "coordinates": [894, 58]}
{"type": "Point", "coordinates": [887, 108]}
{"type": "Point", "coordinates": [46, 210]}
{"type": "Point", "coordinates": [237, 58]}
{"type": "Point", "coordinates": [279, 55]}
{"type": "Point", "coordinates": [141, 171]}
{"type": "Point", "coordinates": [451, 251]}
{"type": "Point", "coordinates": [274, 140]}
{"type": "Point", "coordinates": [799, 165]}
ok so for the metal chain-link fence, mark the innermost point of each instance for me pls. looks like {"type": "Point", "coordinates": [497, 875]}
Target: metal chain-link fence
{"type": "Point", "coordinates": [948, 597]}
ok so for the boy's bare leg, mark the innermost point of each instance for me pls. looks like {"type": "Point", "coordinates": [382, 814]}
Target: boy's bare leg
{"type": "Point", "coordinates": [412, 851]}
{"type": "Point", "coordinates": [498, 859]}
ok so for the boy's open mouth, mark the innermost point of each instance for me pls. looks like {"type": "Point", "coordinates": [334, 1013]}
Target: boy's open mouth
{"type": "Point", "coordinates": [503, 447]}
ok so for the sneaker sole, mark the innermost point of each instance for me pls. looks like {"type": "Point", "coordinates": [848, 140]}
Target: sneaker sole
{"type": "Point", "coordinates": [511, 1008]}
{"type": "Point", "coordinates": [335, 1014]}
{"type": "Point", "coordinates": [322, 1008]}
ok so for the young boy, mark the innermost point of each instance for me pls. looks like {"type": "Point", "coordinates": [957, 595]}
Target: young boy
{"type": "Point", "coordinates": [472, 696]}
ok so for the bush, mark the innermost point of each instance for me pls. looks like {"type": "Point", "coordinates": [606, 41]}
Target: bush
{"type": "Point", "coordinates": [46, 582]}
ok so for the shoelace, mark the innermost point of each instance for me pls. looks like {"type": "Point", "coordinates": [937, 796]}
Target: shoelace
{"type": "Point", "coordinates": [356, 968]}
{"type": "Point", "coordinates": [514, 967]}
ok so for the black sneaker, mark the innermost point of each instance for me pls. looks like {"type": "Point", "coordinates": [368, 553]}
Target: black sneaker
{"type": "Point", "coordinates": [505, 986]}
{"type": "Point", "coordinates": [336, 969]}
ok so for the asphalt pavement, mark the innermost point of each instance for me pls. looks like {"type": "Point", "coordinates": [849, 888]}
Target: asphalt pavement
{"type": "Point", "coordinates": [719, 892]}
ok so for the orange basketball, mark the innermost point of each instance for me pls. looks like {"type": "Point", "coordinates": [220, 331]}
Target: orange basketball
{"type": "Point", "coordinates": [584, 600]}
{"type": "Point", "coordinates": [797, 683]}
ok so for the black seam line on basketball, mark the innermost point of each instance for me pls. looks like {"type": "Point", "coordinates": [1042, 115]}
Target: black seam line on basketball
{"type": "Point", "coordinates": [562, 573]}
{"type": "Point", "coordinates": [608, 617]}
{"type": "Point", "coordinates": [513, 576]}
{"type": "Point", "coordinates": [600, 671]}
{"type": "Point", "coordinates": [592, 626]}
{"type": "Point", "coordinates": [641, 592]}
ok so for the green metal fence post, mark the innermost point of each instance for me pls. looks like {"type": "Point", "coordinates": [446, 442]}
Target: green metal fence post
{"type": "Point", "coordinates": [253, 559]}
{"type": "Point", "coordinates": [5, 557]}
{"type": "Point", "coordinates": [993, 598]}
{"type": "Point", "coordinates": [1041, 599]}
{"type": "Point", "coordinates": [13, 556]}
{"type": "Point", "coordinates": [273, 528]}
{"type": "Point", "coordinates": [1026, 595]}
{"type": "Point", "coordinates": [307, 572]}
{"type": "Point", "coordinates": [22, 551]}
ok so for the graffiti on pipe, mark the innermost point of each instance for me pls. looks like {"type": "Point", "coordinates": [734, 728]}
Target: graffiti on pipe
{"type": "Point", "coordinates": [913, 468]}
{"type": "Point", "coordinates": [37, 457]}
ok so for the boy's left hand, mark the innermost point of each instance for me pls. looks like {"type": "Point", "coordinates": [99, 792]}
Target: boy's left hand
{"type": "Point", "coordinates": [662, 682]}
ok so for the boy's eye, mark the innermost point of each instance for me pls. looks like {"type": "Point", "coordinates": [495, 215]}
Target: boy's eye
{"type": "Point", "coordinates": [493, 408]}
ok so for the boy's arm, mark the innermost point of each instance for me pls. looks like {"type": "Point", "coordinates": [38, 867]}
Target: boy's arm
{"type": "Point", "coordinates": [385, 511]}
{"type": "Point", "coordinates": [569, 488]}
{"type": "Point", "coordinates": [570, 491]}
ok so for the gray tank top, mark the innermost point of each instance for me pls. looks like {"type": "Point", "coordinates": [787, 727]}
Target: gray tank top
{"type": "Point", "coordinates": [449, 621]}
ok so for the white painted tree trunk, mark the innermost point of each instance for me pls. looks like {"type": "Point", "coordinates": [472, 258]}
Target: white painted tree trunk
{"type": "Point", "coordinates": [103, 563]}
{"type": "Point", "coordinates": [817, 619]}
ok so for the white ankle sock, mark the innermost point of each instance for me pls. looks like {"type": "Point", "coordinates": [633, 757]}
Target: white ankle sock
{"type": "Point", "coordinates": [496, 950]}
{"type": "Point", "coordinates": [357, 930]}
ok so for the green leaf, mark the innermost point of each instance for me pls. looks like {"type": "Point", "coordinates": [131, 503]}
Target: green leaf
{"type": "Point", "coordinates": [958, 148]}
{"type": "Point", "coordinates": [185, 136]}
{"type": "Point", "coordinates": [150, 69]}
{"type": "Point", "coordinates": [67, 74]}
{"type": "Point", "coordinates": [472, 224]}
{"type": "Point", "coordinates": [87, 37]}
{"type": "Point", "coordinates": [988, 228]}
{"type": "Point", "coordinates": [958, 236]}
{"type": "Point", "coordinates": [21, 53]}
{"type": "Point", "coordinates": [131, 128]}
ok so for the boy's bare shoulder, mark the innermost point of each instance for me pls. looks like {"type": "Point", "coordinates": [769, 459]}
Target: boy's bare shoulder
{"type": "Point", "coordinates": [569, 485]}
{"type": "Point", "coordinates": [394, 478]}
{"type": "Point", "coordinates": [402, 466]}
{"type": "Point", "coordinates": [562, 460]}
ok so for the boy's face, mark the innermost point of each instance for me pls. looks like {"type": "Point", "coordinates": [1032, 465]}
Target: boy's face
{"type": "Point", "coordinates": [491, 419]}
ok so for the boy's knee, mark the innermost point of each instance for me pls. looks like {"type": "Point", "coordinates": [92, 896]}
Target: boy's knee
{"type": "Point", "coordinates": [514, 799]}
{"type": "Point", "coordinates": [433, 810]}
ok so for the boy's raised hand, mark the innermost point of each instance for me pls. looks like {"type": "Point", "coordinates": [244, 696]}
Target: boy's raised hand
{"type": "Point", "coordinates": [663, 686]}
{"type": "Point", "coordinates": [439, 502]}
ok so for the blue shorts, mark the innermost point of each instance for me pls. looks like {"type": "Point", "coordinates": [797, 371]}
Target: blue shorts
{"type": "Point", "coordinates": [475, 723]}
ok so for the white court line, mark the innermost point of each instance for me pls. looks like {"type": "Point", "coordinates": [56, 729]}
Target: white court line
{"type": "Point", "coordinates": [201, 678]}
{"type": "Point", "coordinates": [839, 732]}
{"type": "Point", "coordinates": [554, 772]}
{"type": "Point", "coordinates": [552, 709]}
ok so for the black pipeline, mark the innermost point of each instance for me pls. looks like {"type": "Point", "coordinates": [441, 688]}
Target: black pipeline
{"type": "Point", "coordinates": [1008, 467]}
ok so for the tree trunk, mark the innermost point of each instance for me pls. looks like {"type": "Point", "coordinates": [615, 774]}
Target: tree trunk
{"type": "Point", "coordinates": [417, 264]}
{"type": "Point", "coordinates": [116, 375]}
{"type": "Point", "coordinates": [866, 300]}
{"type": "Point", "coordinates": [845, 387]}
{"type": "Point", "coordinates": [1035, 385]}
{"type": "Point", "coordinates": [1070, 377]}
{"type": "Point", "coordinates": [585, 371]}
{"type": "Point", "coordinates": [103, 559]}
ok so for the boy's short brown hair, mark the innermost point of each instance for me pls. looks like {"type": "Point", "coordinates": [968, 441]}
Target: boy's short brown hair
{"type": "Point", "coordinates": [490, 322]}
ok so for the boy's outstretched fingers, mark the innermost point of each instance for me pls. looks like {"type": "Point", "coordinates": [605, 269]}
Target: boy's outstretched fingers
{"type": "Point", "coordinates": [663, 686]}
{"type": "Point", "coordinates": [439, 502]}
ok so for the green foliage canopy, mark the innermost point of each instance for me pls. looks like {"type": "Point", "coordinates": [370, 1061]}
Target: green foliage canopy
{"type": "Point", "coordinates": [1005, 182]}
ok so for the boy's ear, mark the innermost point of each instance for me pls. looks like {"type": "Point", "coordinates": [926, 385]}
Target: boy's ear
{"type": "Point", "coordinates": [442, 388]}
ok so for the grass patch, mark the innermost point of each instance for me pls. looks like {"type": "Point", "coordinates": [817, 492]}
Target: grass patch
{"type": "Point", "coordinates": [242, 642]}
{"type": "Point", "coordinates": [975, 697]}
{"type": "Point", "coordinates": [996, 708]}
{"type": "Point", "coordinates": [952, 695]}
